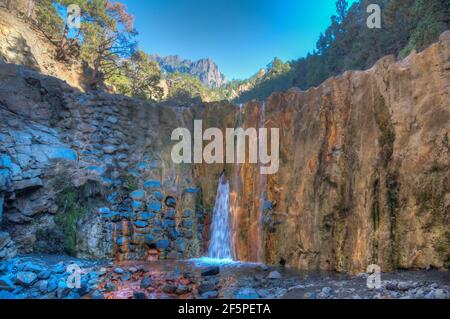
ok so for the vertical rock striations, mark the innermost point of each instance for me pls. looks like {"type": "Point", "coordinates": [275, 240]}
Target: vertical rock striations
{"type": "Point", "coordinates": [365, 170]}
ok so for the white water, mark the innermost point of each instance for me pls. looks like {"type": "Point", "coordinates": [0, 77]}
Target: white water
{"type": "Point", "coordinates": [220, 244]}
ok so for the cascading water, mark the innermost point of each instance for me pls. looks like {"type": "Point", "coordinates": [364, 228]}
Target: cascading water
{"type": "Point", "coordinates": [220, 244]}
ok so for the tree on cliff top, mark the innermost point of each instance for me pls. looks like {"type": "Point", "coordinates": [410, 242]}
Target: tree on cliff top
{"type": "Point", "coordinates": [138, 77]}
{"type": "Point", "coordinates": [106, 35]}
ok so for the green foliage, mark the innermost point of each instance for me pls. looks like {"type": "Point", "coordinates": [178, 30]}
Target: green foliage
{"type": "Point", "coordinates": [277, 76]}
{"type": "Point", "coordinates": [348, 44]}
{"type": "Point", "coordinates": [139, 77]}
{"type": "Point", "coordinates": [184, 88]}
{"type": "Point", "coordinates": [70, 212]}
{"type": "Point", "coordinates": [48, 20]}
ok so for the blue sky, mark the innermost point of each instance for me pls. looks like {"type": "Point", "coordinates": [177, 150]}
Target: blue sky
{"type": "Point", "coordinates": [241, 36]}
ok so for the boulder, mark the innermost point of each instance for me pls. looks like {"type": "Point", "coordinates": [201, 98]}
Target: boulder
{"type": "Point", "coordinates": [6, 284]}
{"type": "Point", "coordinates": [211, 271]}
{"type": "Point", "coordinates": [26, 278]}
{"type": "Point", "coordinates": [274, 275]}
{"type": "Point", "coordinates": [138, 195]}
{"type": "Point", "coordinates": [247, 293]}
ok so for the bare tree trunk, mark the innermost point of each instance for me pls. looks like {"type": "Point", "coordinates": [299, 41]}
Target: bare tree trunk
{"type": "Point", "coordinates": [30, 8]}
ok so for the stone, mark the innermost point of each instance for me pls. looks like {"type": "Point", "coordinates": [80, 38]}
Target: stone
{"type": "Point", "coordinates": [154, 207]}
{"type": "Point", "coordinates": [211, 271]}
{"type": "Point", "coordinates": [146, 282]}
{"type": "Point", "coordinates": [6, 284]}
{"type": "Point", "coordinates": [149, 240]}
{"type": "Point", "coordinates": [5, 161]}
{"type": "Point", "coordinates": [163, 244]}
{"type": "Point", "coordinates": [247, 293]}
{"type": "Point", "coordinates": [180, 245]}
{"type": "Point", "coordinates": [169, 288]}
{"type": "Point", "coordinates": [27, 183]}
{"type": "Point", "coordinates": [97, 295]}
{"type": "Point", "coordinates": [206, 286]}
{"type": "Point", "coordinates": [26, 278]}
{"type": "Point", "coordinates": [139, 295]}
{"type": "Point", "coordinates": [112, 119]}
{"type": "Point", "coordinates": [43, 286]}
{"type": "Point", "coordinates": [145, 216]}
{"type": "Point", "coordinates": [104, 210]}
{"type": "Point", "coordinates": [109, 149]}
{"type": "Point", "coordinates": [63, 290]}
{"type": "Point", "coordinates": [6, 295]}
{"type": "Point", "coordinates": [59, 268]}
{"type": "Point", "coordinates": [152, 184]}
{"type": "Point", "coordinates": [182, 290]}
{"type": "Point", "coordinates": [140, 224]}
{"type": "Point", "coordinates": [119, 270]}
{"type": "Point", "coordinates": [209, 294]}
{"type": "Point", "coordinates": [274, 275]}
{"type": "Point", "coordinates": [52, 285]}
{"type": "Point", "coordinates": [30, 266]}
{"type": "Point", "coordinates": [138, 195]}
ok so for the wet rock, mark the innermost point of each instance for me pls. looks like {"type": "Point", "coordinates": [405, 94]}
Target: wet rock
{"type": "Point", "coordinates": [45, 274]}
{"type": "Point", "coordinates": [274, 275]}
{"type": "Point", "coordinates": [7, 295]}
{"type": "Point", "coordinates": [209, 294]}
{"type": "Point", "coordinates": [309, 295]}
{"type": "Point", "coordinates": [110, 287]}
{"type": "Point", "coordinates": [206, 286]}
{"type": "Point", "coordinates": [138, 195]}
{"type": "Point", "coordinates": [247, 293]}
{"type": "Point", "coordinates": [43, 286]}
{"type": "Point", "coordinates": [146, 282]}
{"type": "Point", "coordinates": [6, 284]}
{"type": "Point", "coordinates": [34, 267]}
{"type": "Point", "coordinates": [145, 216]}
{"type": "Point", "coordinates": [182, 290]}
{"type": "Point", "coordinates": [139, 295]}
{"type": "Point", "coordinates": [63, 290]}
{"type": "Point", "coordinates": [26, 278]}
{"type": "Point", "coordinates": [436, 294]}
{"type": "Point", "coordinates": [97, 295]}
{"type": "Point", "coordinates": [133, 270]}
{"type": "Point", "coordinates": [163, 244]}
{"type": "Point", "coordinates": [52, 285]}
{"type": "Point", "coordinates": [169, 288]}
{"type": "Point", "coordinates": [140, 224]}
{"type": "Point", "coordinates": [325, 293]}
{"type": "Point", "coordinates": [149, 240]}
{"type": "Point", "coordinates": [154, 207]}
{"type": "Point", "coordinates": [211, 271]}
{"type": "Point", "coordinates": [59, 268]}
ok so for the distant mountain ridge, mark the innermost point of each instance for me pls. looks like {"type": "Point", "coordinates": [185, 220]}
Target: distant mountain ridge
{"type": "Point", "coordinates": [206, 70]}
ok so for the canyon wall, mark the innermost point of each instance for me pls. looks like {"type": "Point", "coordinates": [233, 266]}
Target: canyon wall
{"type": "Point", "coordinates": [364, 172]}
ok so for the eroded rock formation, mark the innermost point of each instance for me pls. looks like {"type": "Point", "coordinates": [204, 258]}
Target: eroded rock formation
{"type": "Point", "coordinates": [365, 170]}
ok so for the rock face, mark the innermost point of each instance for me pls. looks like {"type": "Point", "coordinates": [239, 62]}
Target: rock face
{"type": "Point", "coordinates": [21, 45]}
{"type": "Point", "coordinates": [204, 69]}
{"type": "Point", "coordinates": [90, 174]}
{"type": "Point", "coordinates": [364, 171]}
{"type": "Point", "coordinates": [363, 179]}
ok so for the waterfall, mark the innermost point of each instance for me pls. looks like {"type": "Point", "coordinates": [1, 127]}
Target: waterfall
{"type": "Point", "coordinates": [220, 244]}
